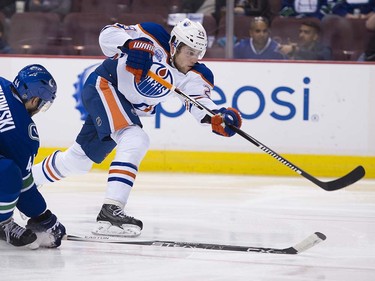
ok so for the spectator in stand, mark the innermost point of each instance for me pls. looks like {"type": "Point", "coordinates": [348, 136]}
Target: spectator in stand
{"type": "Point", "coordinates": [8, 7]}
{"type": "Point", "coordinates": [369, 53]}
{"type": "Point", "coordinates": [306, 8]}
{"type": "Point", "coordinates": [370, 23]}
{"type": "Point", "coordinates": [259, 45]}
{"type": "Point", "coordinates": [309, 46]}
{"type": "Point", "coordinates": [4, 46]}
{"type": "Point", "coordinates": [61, 7]}
{"type": "Point", "coordinates": [253, 8]}
{"type": "Point", "coordinates": [198, 6]}
{"type": "Point", "coordinates": [216, 8]}
{"type": "Point", "coordinates": [354, 8]}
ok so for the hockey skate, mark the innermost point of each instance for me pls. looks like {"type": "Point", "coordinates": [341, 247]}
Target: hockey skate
{"type": "Point", "coordinates": [113, 221]}
{"type": "Point", "coordinates": [17, 235]}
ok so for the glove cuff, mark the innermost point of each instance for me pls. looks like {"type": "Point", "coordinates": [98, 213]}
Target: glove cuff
{"type": "Point", "coordinates": [125, 47]}
{"type": "Point", "coordinates": [141, 45]}
{"type": "Point", "coordinates": [43, 217]}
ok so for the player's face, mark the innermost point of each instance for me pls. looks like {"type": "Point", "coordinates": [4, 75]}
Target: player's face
{"type": "Point", "coordinates": [185, 58]}
{"type": "Point", "coordinates": [32, 106]}
{"type": "Point", "coordinates": [260, 33]}
{"type": "Point", "coordinates": [307, 35]}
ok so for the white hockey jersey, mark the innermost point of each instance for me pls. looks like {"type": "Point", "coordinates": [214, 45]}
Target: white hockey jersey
{"type": "Point", "coordinates": [144, 96]}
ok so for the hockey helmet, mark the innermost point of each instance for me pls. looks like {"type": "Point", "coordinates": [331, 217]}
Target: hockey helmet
{"type": "Point", "coordinates": [191, 34]}
{"type": "Point", "coordinates": [35, 81]}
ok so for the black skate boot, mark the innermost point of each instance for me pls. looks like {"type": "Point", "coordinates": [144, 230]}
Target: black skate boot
{"type": "Point", "coordinates": [113, 221]}
{"type": "Point", "coordinates": [16, 235]}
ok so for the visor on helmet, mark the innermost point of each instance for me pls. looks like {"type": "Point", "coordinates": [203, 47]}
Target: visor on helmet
{"type": "Point", "coordinates": [188, 51]}
{"type": "Point", "coordinates": [44, 105]}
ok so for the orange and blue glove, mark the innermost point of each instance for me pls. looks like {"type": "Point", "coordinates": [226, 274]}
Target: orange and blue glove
{"type": "Point", "coordinates": [140, 52]}
{"type": "Point", "coordinates": [223, 118]}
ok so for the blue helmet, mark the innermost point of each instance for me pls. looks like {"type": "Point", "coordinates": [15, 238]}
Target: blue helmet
{"type": "Point", "coordinates": [35, 81]}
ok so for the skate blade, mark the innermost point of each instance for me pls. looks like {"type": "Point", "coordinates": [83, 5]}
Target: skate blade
{"type": "Point", "coordinates": [106, 228]}
{"type": "Point", "coordinates": [33, 246]}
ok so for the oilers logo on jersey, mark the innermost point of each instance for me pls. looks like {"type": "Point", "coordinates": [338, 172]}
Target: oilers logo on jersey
{"type": "Point", "coordinates": [150, 88]}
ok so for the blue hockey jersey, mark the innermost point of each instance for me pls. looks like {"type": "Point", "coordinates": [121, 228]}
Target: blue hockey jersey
{"type": "Point", "coordinates": [19, 139]}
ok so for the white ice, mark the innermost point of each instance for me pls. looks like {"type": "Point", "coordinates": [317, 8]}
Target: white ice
{"type": "Point", "coordinates": [273, 212]}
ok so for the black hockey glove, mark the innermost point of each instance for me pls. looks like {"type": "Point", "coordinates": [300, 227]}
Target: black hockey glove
{"type": "Point", "coordinates": [48, 229]}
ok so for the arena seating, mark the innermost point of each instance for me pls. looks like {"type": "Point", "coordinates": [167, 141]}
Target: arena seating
{"type": "Point", "coordinates": [77, 32]}
{"type": "Point", "coordinates": [33, 32]}
{"type": "Point", "coordinates": [81, 32]}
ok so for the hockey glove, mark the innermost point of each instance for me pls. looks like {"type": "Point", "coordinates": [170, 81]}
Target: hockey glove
{"type": "Point", "coordinates": [48, 229]}
{"type": "Point", "coordinates": [140, 52]}
{"type": "Point", "coordinates": [224, 117]}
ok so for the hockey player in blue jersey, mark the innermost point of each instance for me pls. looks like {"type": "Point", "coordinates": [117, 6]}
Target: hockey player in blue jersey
{"type": "Point", "coordinates": [33, 90]}
{"type": "Point", "coordinates": [118, 92]}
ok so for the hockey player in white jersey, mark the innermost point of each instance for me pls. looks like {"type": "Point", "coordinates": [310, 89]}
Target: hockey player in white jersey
{"type": "Point", "coordinates": [118, 92]}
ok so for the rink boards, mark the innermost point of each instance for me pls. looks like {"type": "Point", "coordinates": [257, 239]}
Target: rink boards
{"type": "Point", "coordinates": [317, 115]}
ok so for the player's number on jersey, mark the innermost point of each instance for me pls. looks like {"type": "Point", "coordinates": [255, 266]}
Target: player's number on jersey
{"type": "Point", "coordinates": [30, 163]}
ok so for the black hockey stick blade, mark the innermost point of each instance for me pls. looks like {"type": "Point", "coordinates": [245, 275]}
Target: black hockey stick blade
{"type": "Point", "coordinates": [346, 180]}
{"type": "Point", "coordinates": [307, 243]}
{"type": "Point", "coordinates": [350, 178]}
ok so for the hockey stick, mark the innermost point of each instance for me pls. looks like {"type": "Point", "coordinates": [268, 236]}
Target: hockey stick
{"type": "Point", "coordinates": [302, 246]}
{"type": "Point", "coordinates": [336, 184]}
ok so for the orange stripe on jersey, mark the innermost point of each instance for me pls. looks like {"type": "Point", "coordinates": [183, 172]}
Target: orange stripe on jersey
{"type": "Point", "coordinates": [149, 108]}
{"type": "Point", "coordinates": [118, 171]}
{"type": "Point", "coordinates": [118, 118]}
{"type": "Point", "coordinates": [49, 170]}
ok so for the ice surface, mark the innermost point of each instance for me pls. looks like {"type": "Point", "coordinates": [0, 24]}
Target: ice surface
{"type": "Point", "coordinates": [273, 212]}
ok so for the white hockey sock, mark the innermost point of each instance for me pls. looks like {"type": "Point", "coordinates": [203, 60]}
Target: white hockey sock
{"type": "Point", "coordinates": [46, 171]}
{"type": "Point", "coordinates": [132, 145]}
{"type": "Point", "coordinates": [121, 177]}
{"type": "Point", "coordinates": [59, 165]}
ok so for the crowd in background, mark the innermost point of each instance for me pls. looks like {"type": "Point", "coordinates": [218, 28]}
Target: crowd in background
{"type": "Point", "coordinates": [263, 29]}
